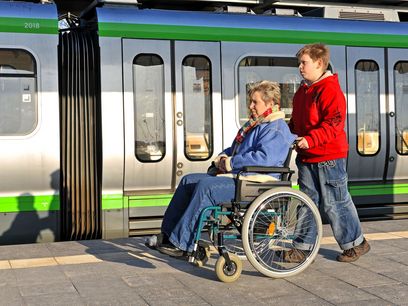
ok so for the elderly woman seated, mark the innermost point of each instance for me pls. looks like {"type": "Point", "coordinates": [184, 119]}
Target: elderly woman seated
{"type": "Point", "coordinates": [264, 140]}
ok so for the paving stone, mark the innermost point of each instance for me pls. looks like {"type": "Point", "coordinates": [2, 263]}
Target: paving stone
{"type": "Point", "coordinates": [128, 300]}
{"type": "Point", "coordinates": [91, 271]}
{"type": "Point", "coordinates": [396, 294]}
{"type": "Point", "coordinates": [9, 293]}
{"type": "Point", "coordinates": [24, 251]}
{"type": "Point", "coordinates": [380, 264]}
{"type": "Point", "coordinates": [54, 299]}
{"type": "Point", "coordinates": [358, 277]}
{"type": "Point", "coordinates": [39, 288]}
{"type": "Point", "coordinates": [330, 289]}
{"type": "Point", "coordinates": [399, 276]}
{"type": "Point", "coordinates": [42, 275]}
{"type": "Point", "coordinates": [4, 265]}
{"type": "Point", "coordinates": [112, 287]}
{"type": "Point", "coordinates": [401, 244]}
{"type": "Point", "coordinates": [304, 300]}
{"type": "Point", "coordinates": [383, 247]}
{"type": "Point", "coordinates": [76, 259]}
{"type": "Point", "coordinates": [172, 296]}
{"type": "Point", "coordinates": [32, 262]}
{"type": "Point", "coordinates": [373, 302]}
{"type": "Point", "coordinates": [386, 226]}
{"type": "Point", "coordinates": [100, 246]}
{"type": "Point", "coordinates": [7, 278]}
{"type": "Point", "coordinates": [67, 248]}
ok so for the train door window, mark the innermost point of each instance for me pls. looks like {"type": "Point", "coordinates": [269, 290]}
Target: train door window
{"type": "Point", "coordinates": [401, 103]}
{"type": "Point", "coordinates": [283, 70]}
{"type": "Point", "coordinates": [18, 93]}
{"type": "Point", "coordinates": [197, 100]}
{"type": "Point", "coordinates": [368, 107]}
{"type": "Point", "coordinates": [148, 87]}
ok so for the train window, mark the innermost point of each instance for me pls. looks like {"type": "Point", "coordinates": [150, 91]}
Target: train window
{"type": "Point", "coordinates": [18, 93]}
{"type": "Point", "coordinates": [401, 104]}
{"type": "Point", "coordinates": [148, 87]}
{"type": "Point", "coordinates": [283, 70]}
{"type": "Point", "coordinates": [197, 93]}
{"type": "Point", "coordinates": [367, 84]}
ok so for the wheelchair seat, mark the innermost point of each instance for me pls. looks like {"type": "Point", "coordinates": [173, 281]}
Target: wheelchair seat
{"type": "Point", "coordinates": [247, 191]}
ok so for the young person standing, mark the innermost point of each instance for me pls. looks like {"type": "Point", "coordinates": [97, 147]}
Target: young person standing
{"type": "Point", "coordinates": [318, 118]}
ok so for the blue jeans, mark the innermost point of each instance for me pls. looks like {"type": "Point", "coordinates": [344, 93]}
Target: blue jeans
{"type": "Point", "coordinates": [326, 184]}
{"type": "Point", "coordinates": [194, 193]}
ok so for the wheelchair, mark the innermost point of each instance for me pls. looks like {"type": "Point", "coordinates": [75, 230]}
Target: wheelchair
{"type": "Point", "coordinates": [263, 223]}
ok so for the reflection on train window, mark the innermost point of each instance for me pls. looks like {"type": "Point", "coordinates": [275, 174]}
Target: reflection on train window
{"type": "Point", "coordinates": [18, 92]}
{"type": "Point", "coordinates": [197, 93]}
{"type": "Point", "coordinates": [401, 105]}
{"type": "Point", "coordinates": [283, 70]}
{"type": "Point", "coordinates": [368, 107]}
{"type": "Point", "coordinates": [148, 87]}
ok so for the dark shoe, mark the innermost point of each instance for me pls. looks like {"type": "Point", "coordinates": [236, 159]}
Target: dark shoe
{"type": "Point", "coordinates": [171, 250]}
{"type": "Point", "coordinates": [154, 241]}
{"type": "Point", "coordinates": [353, 254]}
{"type": "Point", "coordinates": [295, 255]}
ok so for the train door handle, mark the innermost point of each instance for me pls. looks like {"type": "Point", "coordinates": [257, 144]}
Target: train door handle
{"type": "Point", "coordinates": [392, 114]}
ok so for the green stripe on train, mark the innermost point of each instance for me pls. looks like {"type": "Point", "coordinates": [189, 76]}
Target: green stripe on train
{"type": "Point", "coordinates": [29, 203]}
{"type": "Point", "coordinates": [28, 25]}
{"type": "Point", "coordinates": [383, 189]}
{"type": "Point", "coordinates": [117, 201]}
{"type": "Point", "coordinates": [24, 203]}
{"type": "Point", "coordinates": [154, 31]}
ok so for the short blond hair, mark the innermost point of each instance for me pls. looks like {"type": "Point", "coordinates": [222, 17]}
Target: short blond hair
{"type": "Point", "coordinates": [270, 91]}
{"type": "Point", "coordinates": [316, 52]}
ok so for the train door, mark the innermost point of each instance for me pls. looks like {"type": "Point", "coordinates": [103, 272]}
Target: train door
{"type": "Point", "coordinates": [398, 115]}
{"type": "Point", "coordinates": [366, 114]}
{"type": "Point", "coordinates": [148, 115]}
{"type": "Point", "coordinates": [198, 114]}
{"type": "Point", "coordinates": [172, 111]}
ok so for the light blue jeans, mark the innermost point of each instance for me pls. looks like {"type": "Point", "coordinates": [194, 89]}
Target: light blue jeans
{"type": "Point", "coordinates": [326, 184]}
{"type": "Point", "coordinates": [194, 193]}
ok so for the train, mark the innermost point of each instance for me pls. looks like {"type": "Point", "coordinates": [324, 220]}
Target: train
{"type": "Point", "coordinates": [102, 114]}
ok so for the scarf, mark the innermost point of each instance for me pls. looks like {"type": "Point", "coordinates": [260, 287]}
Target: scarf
{"type": "Point", "coordinates": [250, 124]}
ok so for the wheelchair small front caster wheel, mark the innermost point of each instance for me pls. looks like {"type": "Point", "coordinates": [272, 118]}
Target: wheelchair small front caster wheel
{"type": "Point", "coordinates": [228, 274]}
{"type": "Point", "coordinates": [202, 255]}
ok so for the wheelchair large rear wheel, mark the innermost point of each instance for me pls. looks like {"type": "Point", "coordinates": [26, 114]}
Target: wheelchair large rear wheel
{"type": "Point", "coordinates": [281, 232]}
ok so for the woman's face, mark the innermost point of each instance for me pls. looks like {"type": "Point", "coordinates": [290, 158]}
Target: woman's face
{"type": "Point", "coordinates": [257, 105]}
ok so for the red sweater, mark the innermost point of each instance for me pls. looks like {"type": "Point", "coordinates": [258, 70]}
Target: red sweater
{"type": "Point", "coordinates": [319, 113]}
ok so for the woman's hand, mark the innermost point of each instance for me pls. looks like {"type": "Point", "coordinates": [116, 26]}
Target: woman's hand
{"type": "Point", "coordinates": [302, 143]}
{"type": "Point", "coordinates": [221, 165]}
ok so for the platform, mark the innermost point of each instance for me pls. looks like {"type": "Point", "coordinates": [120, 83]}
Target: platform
{"type": "Point", "coordinates": [125, 272]}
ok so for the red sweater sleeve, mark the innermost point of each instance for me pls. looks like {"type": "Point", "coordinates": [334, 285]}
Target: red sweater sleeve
{"type": "Point", "coordinates": [332, 107]}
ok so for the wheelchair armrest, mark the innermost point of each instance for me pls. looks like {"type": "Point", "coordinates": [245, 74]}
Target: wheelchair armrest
{"type": "Point", "coordinates": [258, 169]}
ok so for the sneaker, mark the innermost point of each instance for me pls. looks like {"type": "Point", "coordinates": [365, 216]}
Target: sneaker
{"type": "Point", "coordinates": [354, 253]}
{"type": "Point", "coordinates": [295, 255]}
{"type": "Point", "coordinates": [171, 250]}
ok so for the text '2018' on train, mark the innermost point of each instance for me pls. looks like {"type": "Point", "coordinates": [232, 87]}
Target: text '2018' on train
{"type": "Point", "coordinates": [101, 115]}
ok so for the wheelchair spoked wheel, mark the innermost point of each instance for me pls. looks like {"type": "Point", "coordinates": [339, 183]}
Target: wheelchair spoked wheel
{"type": "Point", "coordinates": [228, 274]}
{"type": "Point", "coordinates": [275, 220]}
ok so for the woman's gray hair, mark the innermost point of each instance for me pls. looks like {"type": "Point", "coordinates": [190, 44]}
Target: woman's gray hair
{"type": "Point", "coordinates": [270, 91]}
